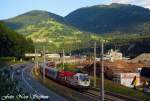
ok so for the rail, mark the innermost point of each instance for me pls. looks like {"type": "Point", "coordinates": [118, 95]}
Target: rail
{"type": "Point", "coordinates": [117, 95]}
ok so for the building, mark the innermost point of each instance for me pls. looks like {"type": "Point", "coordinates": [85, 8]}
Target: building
{"type": "Point", "coordinates": [123, 73]}
{"type": "Point", "coordinates": [119, 71]}
{"type": "Point", "coordinates": [113, 55]}
{"type": "Point", "coordinates": [127, 79]}
{"type": "Point", "coordinates": [33, 54]}
{"type": "Point", "coordinates": [75, 59]}
{"type": "Point", "coordinates": [120, 66]}
{"type": "Point", "coordinates": [53, 55]}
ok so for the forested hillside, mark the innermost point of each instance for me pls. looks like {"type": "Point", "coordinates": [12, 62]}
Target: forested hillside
{"type": "Point", "coordinates": [21, 22]}
{"type": "Point", "coordinates": [50, 30]}
{"type": "Point", "coordinates": [12, 43]}
{"type": "Point", "coordinates": [106, 19]}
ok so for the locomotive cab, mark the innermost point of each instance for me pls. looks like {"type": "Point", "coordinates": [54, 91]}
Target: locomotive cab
{"type": "Point", "coordinates": [83, 80]}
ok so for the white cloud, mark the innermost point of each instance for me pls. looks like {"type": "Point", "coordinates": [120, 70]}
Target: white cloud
{"type": "Point", "coordinates": [144, 3]}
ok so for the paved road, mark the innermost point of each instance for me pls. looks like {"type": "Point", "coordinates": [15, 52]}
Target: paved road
{"type": "Point", "coordinates": [32, 86]}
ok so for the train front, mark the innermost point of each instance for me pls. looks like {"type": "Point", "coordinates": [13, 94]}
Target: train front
{"type": "Point", "coordinates": [83, 80]}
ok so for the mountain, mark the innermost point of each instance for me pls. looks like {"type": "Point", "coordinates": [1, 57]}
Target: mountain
{"type": "Point", "coordinates": [111, 18]}
{"type": "Point", "coordinates": [48, 29]}
{"type": "Point", "coordinates": [21, 22]}
{"type": "Point", "coordinates": [55, 32]}
{"type": "Point", "coordinates": [12, 43]}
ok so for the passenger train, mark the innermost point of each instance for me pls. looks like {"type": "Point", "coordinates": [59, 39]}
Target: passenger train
{"type": "Point", "coordinates": [76, 80]}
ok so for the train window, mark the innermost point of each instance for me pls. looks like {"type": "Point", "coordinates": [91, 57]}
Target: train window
{"type": "Point", "coordinates": [84, 77]}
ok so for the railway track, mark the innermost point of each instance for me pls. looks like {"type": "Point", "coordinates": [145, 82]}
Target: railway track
{"type": "Point", "coordinates": [120, 96]}
{"type": "Point", "coordinates": [96, 97]}
{"type": "Point", "coordinates": [91, 95]}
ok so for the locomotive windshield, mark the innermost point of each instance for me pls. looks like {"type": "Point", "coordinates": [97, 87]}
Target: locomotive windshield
{"type": "Point", "coordinates": [84, 77]}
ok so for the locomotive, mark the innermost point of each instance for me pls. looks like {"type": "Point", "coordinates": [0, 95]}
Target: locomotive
{"type": "Point", "coordinates": [76, 80]}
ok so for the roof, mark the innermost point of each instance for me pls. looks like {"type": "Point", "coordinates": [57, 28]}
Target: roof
{"type": "Point", "coordinates": [50, 68]}
{"type": "Point", "coordinates": [122, 66]}
{"type": "Point", "coordinates": [119, 66]}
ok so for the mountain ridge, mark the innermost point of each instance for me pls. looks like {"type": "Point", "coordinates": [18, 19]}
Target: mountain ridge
{"type": "Point", "coordinates": [109, 18]}
{"type": "Point", "coordinates": [56, 31]}
{"type": "Point", "coordinates": [100, 19]}
{"type": "Point", "coordinates": [31, 17]}
{"type": "Point", "coordinates": [48, 29]}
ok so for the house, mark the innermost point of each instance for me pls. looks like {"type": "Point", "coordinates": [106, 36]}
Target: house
{"type": "Point", "coordinates": [127, 79]}
{"type": "Point", "coordinates": [119, 71]}
{"type": "Point", "coordinates": [113, 55]}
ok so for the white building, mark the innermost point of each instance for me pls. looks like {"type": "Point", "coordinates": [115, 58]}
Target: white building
{"type": "Point", "coordinates": [113, 55]}
{"type": "Point", "coordinates": [33, 54]}
{"type": "Point", "coordinates": [127, 79]}
{"type": "Point", "coordinates": [53, 55]}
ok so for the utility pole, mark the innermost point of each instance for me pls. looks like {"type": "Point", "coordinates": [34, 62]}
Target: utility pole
{"type": "Point", "coordinates": [35, 59]}
{"type": "Point", "coordinates": [102, 72]}
{"type": "Point", "coordinates": [70, 53]}
{"type": "Point", "coordinates": [44, 62]}
{"type": "Point", "coordinates": [37, 64]}
{"type": "Point", "coordinates": [94, 64]}
{"type": "Point", "coordinates": [63, 59]}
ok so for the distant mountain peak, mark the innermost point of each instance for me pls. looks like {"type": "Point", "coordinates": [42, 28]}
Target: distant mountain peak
{"type": "Point", "coordinates": [40, 12]}
{"type": "Point", "coordinates": [36, 12]}
{"type": "Point", "coordinates": [32, 17]}
{"type": "Point", "coordinates": [119, 4]}
{"type": "Point", "coordinates": [109, 18]}
{"type": "Point", "coordinates": [114, 5]}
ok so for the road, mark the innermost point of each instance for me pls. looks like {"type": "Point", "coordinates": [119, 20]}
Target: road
{"type": "Point", "coordinates": [32, 86]}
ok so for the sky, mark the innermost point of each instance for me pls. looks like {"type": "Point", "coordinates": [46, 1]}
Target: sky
{"type": "Point", "coordinates": [12, 8]}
